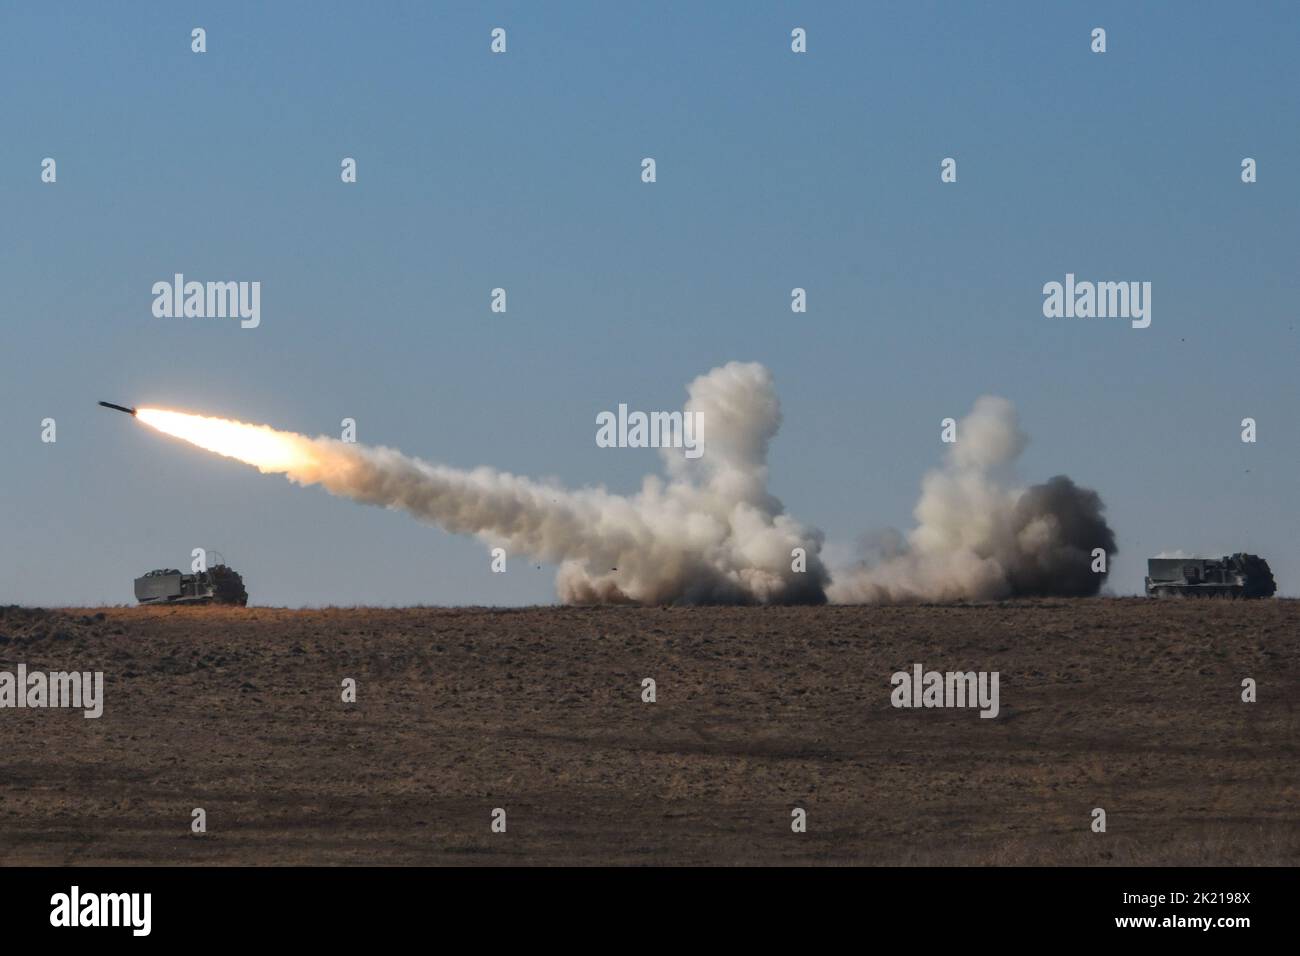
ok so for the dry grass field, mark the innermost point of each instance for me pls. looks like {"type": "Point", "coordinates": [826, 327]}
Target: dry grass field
{"type": "Point", "coordinates": [1126, 704]}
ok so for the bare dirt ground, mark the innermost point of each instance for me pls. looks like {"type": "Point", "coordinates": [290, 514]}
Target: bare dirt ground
{"type": "Point", "coordinates": [1129, 705]}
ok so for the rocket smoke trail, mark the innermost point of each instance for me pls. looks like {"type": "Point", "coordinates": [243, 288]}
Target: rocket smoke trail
{"type": "Point", "coordinates": [709, 532]}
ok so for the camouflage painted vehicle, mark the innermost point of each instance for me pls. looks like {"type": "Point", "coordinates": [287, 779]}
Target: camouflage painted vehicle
{"type": "Point", "coordinates": [1237, 575]}
{"type": "Point", "coordinates": [217, 585]}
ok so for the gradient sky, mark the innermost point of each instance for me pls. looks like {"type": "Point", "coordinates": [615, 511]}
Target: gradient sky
{"type": "Point", "coordinates": [522, 171]}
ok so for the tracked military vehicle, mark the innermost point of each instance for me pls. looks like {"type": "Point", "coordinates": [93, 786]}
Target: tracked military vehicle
{"type": "Point", "coordinates": [1234, 576]}
{"type": "Point", "coordinates": [217, 585]}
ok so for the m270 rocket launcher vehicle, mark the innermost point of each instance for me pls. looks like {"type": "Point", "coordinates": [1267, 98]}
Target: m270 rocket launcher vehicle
{"type": "Point", "coordinates": [1237, 575]}
{"type": "Point", "coordinates": [219, 584]}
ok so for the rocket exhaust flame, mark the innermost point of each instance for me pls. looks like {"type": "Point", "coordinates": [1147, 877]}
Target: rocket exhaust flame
{"type": "Point", "coordinates": [710, 532]}
{"type": "Point", "coordinates": [261, 446]}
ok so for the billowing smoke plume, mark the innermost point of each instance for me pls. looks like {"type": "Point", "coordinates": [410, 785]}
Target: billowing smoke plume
{"type": "Point", "coordinates": [709, 531]}
{"type": "Point", "coordinates": [979, 538]}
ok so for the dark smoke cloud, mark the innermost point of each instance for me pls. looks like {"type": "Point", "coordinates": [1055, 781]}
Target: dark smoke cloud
{"type": "Point", "coordinates": [1061, 523]}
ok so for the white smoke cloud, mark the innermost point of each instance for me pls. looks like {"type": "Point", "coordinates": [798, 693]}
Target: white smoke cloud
{"type": "Point", "coordinates": [980, 538]}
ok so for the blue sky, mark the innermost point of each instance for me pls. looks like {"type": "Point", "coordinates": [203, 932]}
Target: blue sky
{"type": "Point", "coordinates": [775, 170]}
